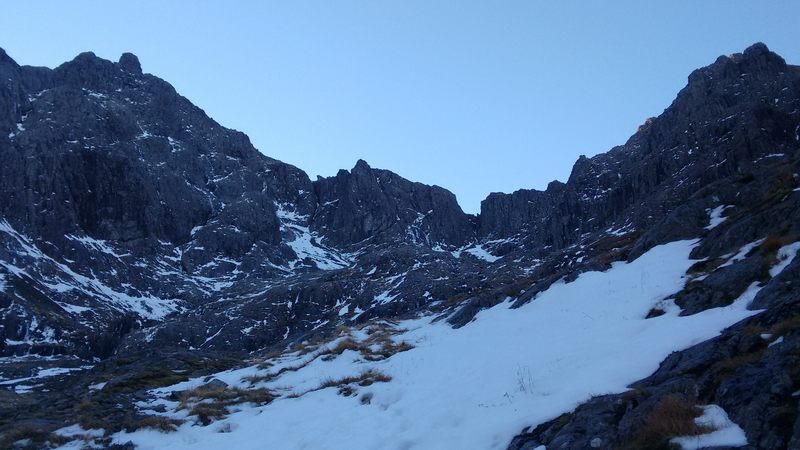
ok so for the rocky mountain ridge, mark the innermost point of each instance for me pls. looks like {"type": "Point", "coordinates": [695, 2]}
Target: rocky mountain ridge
{"type": "Point", "coordinates": [132, 221]}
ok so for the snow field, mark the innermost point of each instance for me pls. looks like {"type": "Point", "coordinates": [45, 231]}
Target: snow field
{"type": "Point", "coordinates": [478, 386]}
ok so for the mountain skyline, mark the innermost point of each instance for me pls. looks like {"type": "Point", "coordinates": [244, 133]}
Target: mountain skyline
{"type": "Point", "coordinates": [478, 100]}
{"type": "Point", "coordinates": [165, 284]}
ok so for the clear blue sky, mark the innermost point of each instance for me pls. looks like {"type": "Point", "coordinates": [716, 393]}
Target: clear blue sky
{"type": "Point", "coordinates": [473, 96]}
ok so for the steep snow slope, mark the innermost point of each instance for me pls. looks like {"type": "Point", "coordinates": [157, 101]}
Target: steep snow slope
{"type": "Point", "coordinates": [473, 387]}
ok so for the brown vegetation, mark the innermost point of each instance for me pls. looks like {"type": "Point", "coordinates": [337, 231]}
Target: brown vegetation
{"type": "Point", "coordinates": [210, 404]}
{"type": "Point", "coordinates": [785, 326]}
{"type": "Point", "coordinates": [364, 379]}
{"type": "Point", "coordinates": [705, 266]}
{"type": "Point", "coordinates": [30, 438]}
{"type": "Point", "coordinates": [160, 423]}
{"type": "Point", "coordinates": [673, 416]}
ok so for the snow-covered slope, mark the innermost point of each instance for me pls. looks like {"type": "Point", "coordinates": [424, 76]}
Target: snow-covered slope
{"type": "Point", "coordinates": [468, 388]}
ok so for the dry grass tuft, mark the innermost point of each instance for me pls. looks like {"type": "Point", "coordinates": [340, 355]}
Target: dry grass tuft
{"type": "Point", "coordinates": [210, 404]}
{"type": "Point", "coordinates": [159, 423]}
{"type": "Point", "coordinates": [364, 379]}
{"type": "Point", "coordinates": [771, 244]}
{"type": "Point", "coordinates": [673, 416]}
{"type": "Point", "coordinates": [33, 436]}
{"type": "Point", "coordinates": [785, 326]}
{"type": "Point", "coordinates": [728, 366]}
{"type": "Point", "coordinates": [705, 266]}
{"type": "Point", "coordinates": [377, 346]}
{"type": "Point", "coordinates": [345, 344]}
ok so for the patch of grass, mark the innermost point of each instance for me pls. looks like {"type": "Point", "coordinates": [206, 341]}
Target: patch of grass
{"type": "Point", "coordinates": [612, 242]}
{"type": "Point", "coordinates": [561, 420]}
{"type": "Point", "coordinates": [210, 404]}
{"type": "Point", "coordinates": [124, 361]}
{"type": "Point", "coordinates": [33, 438]}
{"type": "Point", "coordinates": [345, 344]}
{"type": "Point", "coordinates": [254, 379]}
{"type": "Point", "coordinates": [771, 244]}
{"type": "Point", "coordinates": [264, 364]}
{"type": "Point", "coordinates": [673, 416]}
{"type": "Point", "coordinates": [458, 298]}
{"type": "Point", "coordinates": [378, 345]}
{"type": "Point", "coordinates": [753, 329]}
{"type": "Point", "coordinates": [364, 379]}
{"type": "Point", "coordinates": [728, 366]}
{"type": "Point", "coordinates": [769, 249]}
{"type": "Point", "coordinates": [691, 285]}
{"type": "Point", "coordinates": [513, 290]}
{"type": "Point", "coordinates": [259, 396]}
{"type": "Point", "coordinates": [173, 370]}
{"type": "Point", "coordinates": [387, 349]}
{"type": "Point", "coordinates": [304, 347]}
{"type": "Point", "coordinates": [207, 413]}
{"type": "Point", "coordinates": [705, 266]}
{"type": "Point", "coordinates": [380, 336]}
{"type": "Point", "coordinates": [632, 395]}
{"type": "Point", "coordinates": [266, 361]}
{"type": "Point", "coordinates": [785, 326]}
{"type": "Point", "coordinates": [88, 414]}
{"type": "Point", "coordinates": [160, 423]}
{"type": "Point", "coordinates": [96, 412]}
{"type": "Point", "coordinates": [149, 378]}
{"type": "Point", "coordinates": [348, 386]}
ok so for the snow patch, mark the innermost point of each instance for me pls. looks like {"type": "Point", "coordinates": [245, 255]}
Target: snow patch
{"type": "Point", "coordinates": [307, 244]}
{"type": "Point", "coordinates": [96, 244]}
{"type": "Point", "coordinates": [478, 250]}
{"type": "Point", "coordinates": [725, 434]}
{"type": "Point", "coordinates": [73, 309]}
{"type": "Point", "coordinates": [481, 253]}
{"type": "Point", "coordinates": [44, 373]}
{"type": "Point", "coordinates": [776, 342]}
{"type": "Point", "coordinates": [742, 253]}
{"type": "Point", "coordinates": [715, 216]}
{"type": "Point", "coordinates": [385, 297]}
{"type": "Point", "coordinates": [146, 306]}
{"type": "Point", "coordinates": [786, 255]}
{"type": "Point", "coordinates": [97, 386]}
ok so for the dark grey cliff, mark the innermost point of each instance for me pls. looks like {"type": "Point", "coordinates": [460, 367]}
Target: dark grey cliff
{"type": "Point", "coordinates": [121, 197]}
{"type": "Point", "coordinates": [371, 203]}
{"type": "Point", "coordinates": [740, 108]}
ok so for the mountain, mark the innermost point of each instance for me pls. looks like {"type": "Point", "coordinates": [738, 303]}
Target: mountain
{"type": "Point", "coordinates": [143, 246]}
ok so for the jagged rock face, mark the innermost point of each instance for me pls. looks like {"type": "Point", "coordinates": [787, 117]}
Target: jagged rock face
{"type": "Point", "coordinates": [510, 214]}
{"type": "Point", "coordinates": [100, 148]}
{"type": "Point", "coordinates": [121, 197]}
{"type": "Point", "coordinates": [369, 203]}
{"type": "Point", "coordinates": [739, 109]}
